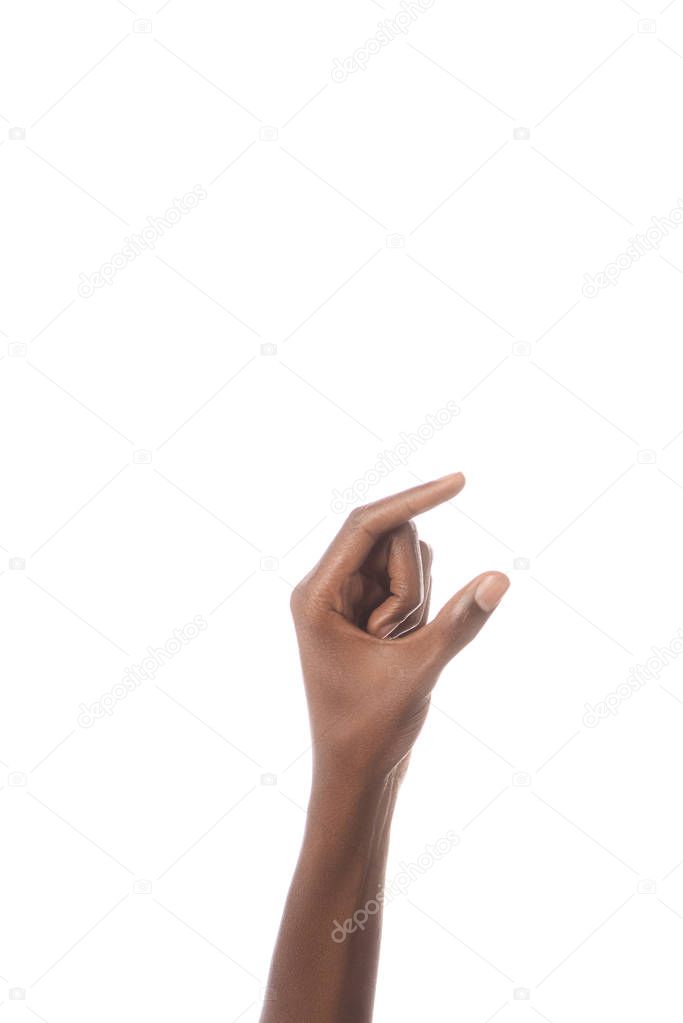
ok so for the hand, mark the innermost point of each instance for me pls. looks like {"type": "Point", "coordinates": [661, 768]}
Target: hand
{"type": "Point", "coordinates": [370, 657]}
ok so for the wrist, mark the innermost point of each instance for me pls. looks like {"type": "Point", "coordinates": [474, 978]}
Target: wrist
{"type": "Point", "coordinates": [356, 787]}
{"type": "Point", "coordinates": [351, 804]}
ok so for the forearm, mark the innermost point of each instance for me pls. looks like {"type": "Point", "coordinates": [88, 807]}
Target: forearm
{"type": "Point", "coordinates": [322, 970]}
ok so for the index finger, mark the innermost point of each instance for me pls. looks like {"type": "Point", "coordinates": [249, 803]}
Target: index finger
{"type": "Point", "coordinates": [364, 526]}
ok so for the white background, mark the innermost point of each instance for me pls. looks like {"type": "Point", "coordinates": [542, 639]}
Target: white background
{"type": "Point", "coordinates": [478, 301]}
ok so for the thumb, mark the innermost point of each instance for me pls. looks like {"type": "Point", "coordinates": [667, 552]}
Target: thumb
{"type": "Point", "coordinates": [459, 621]}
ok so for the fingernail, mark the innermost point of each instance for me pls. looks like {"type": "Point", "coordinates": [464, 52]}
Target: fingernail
{"type": "Point", "coordinates": [384, 630]}
{"type": "Point", "coordinates": [491, 591]}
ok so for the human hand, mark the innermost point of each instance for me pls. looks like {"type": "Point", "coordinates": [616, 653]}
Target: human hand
{"type": "Point", "coordinates": [370, 657]}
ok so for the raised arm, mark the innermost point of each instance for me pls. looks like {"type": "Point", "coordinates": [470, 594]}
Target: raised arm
{"type": "Point", "coordinates": [370, 660]}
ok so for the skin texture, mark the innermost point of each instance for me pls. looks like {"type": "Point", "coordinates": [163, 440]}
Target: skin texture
{"type": "Point", "coordinates": [370, 660]}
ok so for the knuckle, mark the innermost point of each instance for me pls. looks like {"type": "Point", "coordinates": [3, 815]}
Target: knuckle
{"type": "Point", "coordinates": [357, 516]}
{"type": "Point", "coordinates": [405, 536]}
{"type": "Point", "coordinates": [362, 520]}
{"type": "Point", "coordinates": [306, 599]}
{"type": "Point", "coordinates": [298, 598]}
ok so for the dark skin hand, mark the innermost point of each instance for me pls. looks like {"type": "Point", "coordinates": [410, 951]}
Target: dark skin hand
{"type": "Point", "coordinates": [370, 660]}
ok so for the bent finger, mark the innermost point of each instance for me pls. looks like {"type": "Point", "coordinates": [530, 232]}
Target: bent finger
{"type": "Point", "coordinates": [406, 583]}
{"type": "Point", "coordinates": [420, 615]}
